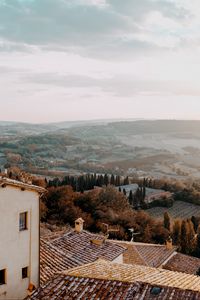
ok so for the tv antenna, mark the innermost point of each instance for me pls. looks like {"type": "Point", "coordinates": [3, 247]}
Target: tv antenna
{"type": "Point", "coordinates": [110, 229]}
{"type": "Point", "coordinates": [133, 234]}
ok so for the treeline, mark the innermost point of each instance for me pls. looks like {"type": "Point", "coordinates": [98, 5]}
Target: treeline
{"type": "Point", "coordinates": [187, 191]}
{"type": "Point", "coordinates": [137, 198]}
{"type": "Point", "coordinates": [62, 205]}
{"type": "Point", "coordinates": [185, 234]}
{"type": "Point", "coordinates": [89, 181]}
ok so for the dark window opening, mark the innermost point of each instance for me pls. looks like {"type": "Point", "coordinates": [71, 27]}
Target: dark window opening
{"type": "Point", "coordinates": [24, 272]}
{"type": "Point", "coordinates": [23, 221]}
{"type": "Point", "coordinates": [2, 276]}
{"type": "Point", "coordinates": [155, 290]}
{"type": "Point", "coordinates": [198, 272]}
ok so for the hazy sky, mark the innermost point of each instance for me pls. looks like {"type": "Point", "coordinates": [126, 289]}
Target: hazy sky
{"type": "Point", "coordinates": [93, 59]}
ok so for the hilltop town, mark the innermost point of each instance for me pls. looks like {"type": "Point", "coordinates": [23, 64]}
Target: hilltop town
{"type": "Point", "coordinates": [80, 258]}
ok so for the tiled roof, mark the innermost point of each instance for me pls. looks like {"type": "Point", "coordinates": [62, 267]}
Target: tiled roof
{"type": "Point", "coordinates": [74, 249]}
{"type": "Point", "coordinates": [146, 254]}
{"type": "Point", "coordinates": [102, 269]}
{"type": "Point", "coordinates": [64, 287]}
{"type": "Point", "coordinates": [183, 263]}
{"type": "Point", "coordinates": [52, 261]}
{"type": "Point", "coordinates": [131, 255]}
{"type": "Point", "coordinates": [153, 255]}
{"type": "Point", "coordinates": [7, 181]}
{"type": "Point", "coordinates": [79, 246]}
{"type": "Point", "coordinates": [159, 256]}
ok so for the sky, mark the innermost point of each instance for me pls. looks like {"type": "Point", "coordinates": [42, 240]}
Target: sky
{"type": "Point", "coordinates": [64, 60]}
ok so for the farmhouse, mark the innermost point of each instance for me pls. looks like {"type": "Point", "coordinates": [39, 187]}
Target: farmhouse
{"type": "Point", "coordinates": [19, 238]}
{"type": "Point", "coordinates": [151, 194]}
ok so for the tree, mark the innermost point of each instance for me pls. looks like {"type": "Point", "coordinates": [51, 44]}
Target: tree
{"type": "Point", "coordinates": [195, 222]}
{"type": "Point", "coordinates": [106, 180]}
{"type": "Point", "coordinates": [184, 237]}
{"type": "Point", "coordinates": [126, 181]}
{"type": "Point", "coordinates": [124, 192]}
{"type": "Point", "coordinates": [130, 198]}
{"type": "Point", "coordinates": [197, 250]}
{"type": "Point", "coordinates": [112, 180]}
{"type": "Point", "coordinates": [176, 232]}
{"type": "Point", "coordinates": [166, 222]}
{"type": "Point", "coordinates": [191, 237]}
{"type": "Point", "coordinates": [147, 234]}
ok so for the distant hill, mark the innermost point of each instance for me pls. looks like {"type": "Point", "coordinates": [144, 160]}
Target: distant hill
{"type": "Point", "coordinates": [137, 147]}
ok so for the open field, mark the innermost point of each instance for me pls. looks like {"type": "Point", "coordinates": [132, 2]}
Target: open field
{"type": "Point", "coordinates": [180, 209]}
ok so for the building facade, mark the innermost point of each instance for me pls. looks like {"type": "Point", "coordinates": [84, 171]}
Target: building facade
{"type": "Point", "coordinates": [19, 238]}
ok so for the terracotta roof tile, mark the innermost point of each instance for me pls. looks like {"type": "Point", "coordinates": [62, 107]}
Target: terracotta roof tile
{"type": "Point", "coordinates": [80, 247]}
{"type": "Point", "coordinates": [52, 261]}
{"type": "Point", "coordinates": [183, 263]}
{"type": "Point", "coordinates": [64, 287]}
{"type": "Point", "coordinates": [145, 254]}
{"type": "Point", "coordinates": [154, 255]}
{"type": "Point", "coordinates": [74, 249]}
{"type": "Point", "coordinates": [130, 273]}
{"type": "Point", "coordinates": [15, 183]}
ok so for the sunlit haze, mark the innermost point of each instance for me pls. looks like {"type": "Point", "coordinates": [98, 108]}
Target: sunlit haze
{"type": "Point", "coordinates": [69, 60]}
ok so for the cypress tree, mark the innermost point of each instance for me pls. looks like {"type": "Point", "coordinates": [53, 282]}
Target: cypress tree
{"type": "Point", "coordinates": [176, 233]}
{"type": "Point", "coordinates": [191, 237]}
{"type": "Point", "coordinates": [195, 222]}
{"type": "Point", "coordinates": [166, 222]}
{"type": "Point", "coordinates": [130, 197]}
{"type": "Point", "coordinates": [112, 180]}
{"type": "Point", "coordinates": [197, 250]}
{"type": "Point", "coordinates": [184, 237]}
{"type": "Point", "coordinates": [106, 181]}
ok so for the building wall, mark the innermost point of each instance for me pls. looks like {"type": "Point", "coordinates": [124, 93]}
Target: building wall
{"type": "Point", "coordinates": [18, 249]}
{"type": "Point", "coordinates": [119, 259]}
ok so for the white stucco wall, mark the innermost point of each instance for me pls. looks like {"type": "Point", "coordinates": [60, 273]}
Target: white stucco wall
{"type": "Point", "coordinates": [18, 249]}
{"type": "Point", "coordinates": [119, 259]}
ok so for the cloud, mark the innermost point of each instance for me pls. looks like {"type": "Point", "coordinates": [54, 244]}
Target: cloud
{"type": "Point", "coordinates": [74, 57]}
{"type": "Point", "coordinates": [139, 9]}
{"type": "Point", "coordinates": [89, 25]}
{"type": "Point", "coordinates": [43, 21]}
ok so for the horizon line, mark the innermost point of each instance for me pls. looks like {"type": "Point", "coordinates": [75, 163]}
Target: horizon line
{"type": "Point", "coordinates": [108, 120]}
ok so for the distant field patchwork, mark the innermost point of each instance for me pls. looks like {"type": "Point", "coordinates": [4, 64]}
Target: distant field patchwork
{"type": "Point", "coordinates": [179, 210]}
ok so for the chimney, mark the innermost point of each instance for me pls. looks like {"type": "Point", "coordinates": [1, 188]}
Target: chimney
{"type": "Point", "coordinates": [99, 241]}
{"type": "Point", "coordinates": [169, 245]}
{"type": "Point", "coordinates": [79, 225]}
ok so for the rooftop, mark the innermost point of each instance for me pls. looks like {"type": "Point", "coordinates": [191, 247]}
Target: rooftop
{"type": "Point", "coordinates": [75, 249]}
{"type": "Point", "coordinates": [183, 263]}
{"type": "Point", "coordinates": [65, 287]}
{"type": "Point", "coordinates": [81, 247]}
{"type": "Point", "coordinates": [4, 181]}
{"type": "Point", "coordinates": [151, 255]}
{"type": "Point", "coordinates": [105, 270]}
{"type": "Point", "coordinates": [52, 261]}
{"type": "Point", "coordinates": [159, 256]}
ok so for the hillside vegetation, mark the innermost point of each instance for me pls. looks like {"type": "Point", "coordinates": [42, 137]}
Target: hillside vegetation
{"type": "Point", "coordinates": [139, 148]}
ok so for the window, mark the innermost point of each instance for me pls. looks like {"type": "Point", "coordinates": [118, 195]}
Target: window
{"type": "Point", "coordinates": [155, 290]}
{"type": "Point", "coordinates": [2, 276]}
{"type": "Point", "coordinates": [24, 272]}
{"type": "Point", "coordinates": [23, 221]}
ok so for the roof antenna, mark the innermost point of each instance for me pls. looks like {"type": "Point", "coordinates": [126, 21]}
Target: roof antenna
{"type": "Point", "coordinates": [133, 234]}
{"type": "Point", "coordinates": [109, 229]}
